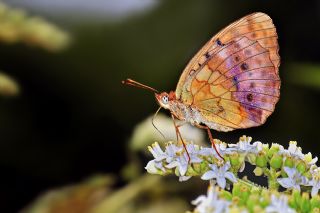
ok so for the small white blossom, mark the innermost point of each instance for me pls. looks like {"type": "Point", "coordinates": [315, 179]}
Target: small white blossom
{"type": "Point", "coordinates": [293, 151]}
{"type": "Point", "coordinates": [221, 147]}
{"type": "Point", "coordinates": [171, 152]}
{"type": "Point", "coordinates": [309, 160]}
{"type": "Point", "coordinates": [194, 152]}
{"type": "Point", "coordinates": [181, 159]}
{"type": "Point", "coordinates": [294, 179]}
{"type": "Point", "coordinates": [279, 205]}
{"type": "Point", "coordinates": [181, 162]}
{"type": "Point", "coordinates": [153, 167]}
{"type": "Point", "coordinates": [157, 152]}
{"type": "Point", "coordinates": [174, 157]}
{"type": "Point", "coordinates": [220, 174]}
{"type": "Point", "coordinates": [315, 181]}
{"type": "Point", "coordinates": [244, 145]}
{"type": "Point", "coordinates": [211, 203]}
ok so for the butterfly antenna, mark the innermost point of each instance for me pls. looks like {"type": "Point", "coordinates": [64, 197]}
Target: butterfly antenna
{"type": "Point", "coordinates": [133, 83]}
{"type": "Point", "coordinates": [155, 125]}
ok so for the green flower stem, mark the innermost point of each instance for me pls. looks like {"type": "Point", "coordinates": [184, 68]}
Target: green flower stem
{"type": "Point", "coordinates": [248, 183]}
{"type": "Point", "coordinates": [272, 175]}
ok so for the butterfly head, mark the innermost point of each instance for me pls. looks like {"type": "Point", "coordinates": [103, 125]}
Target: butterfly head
{"type": "Point", "coordinates": [164, 99]}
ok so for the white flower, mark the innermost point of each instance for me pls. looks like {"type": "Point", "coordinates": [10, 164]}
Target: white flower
{"type": "Point", "coordinates": [279, 205]}
{"type": "Point", "coordinates": [315, 186]}
{"type": "Point", "coordinates": [181, 162]}
{"type": "Point", "coordinates": [293, 150]}
{"type": "Point", "coordinates": [174, 156]}
{"type": "Point", "coordinates": [181, 159]}
{"type": "Point", "coordinates": [309, 160]}
{"type": "Point", "coordinates": [315, 181]}
{"type": "Point", "coordinates": [220, 174]}
{"type": "Point", "coordinates": [194, 153]}
{"type": "Point", "coordinates": [244, 145]}
{"type": "Point", "coordinates": [171, 152]}
{"type": "Point", "coordinates": [221, 147]}
{"type": "Point", "coordinates": [157, 152]}
{"type": "Point", "coordinates": [153, 167]}
{"type": "Point", "coordinates": [211, 203]}
{"type": "Point", "coordinates": [294, 179]}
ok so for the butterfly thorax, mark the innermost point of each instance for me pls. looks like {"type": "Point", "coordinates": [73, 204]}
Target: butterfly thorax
{"type": "Point", "coordinates": [185, 112]}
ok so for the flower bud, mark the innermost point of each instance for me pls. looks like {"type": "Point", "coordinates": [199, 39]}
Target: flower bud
{"type": "Point", "coordinates": [264, 198]}
{"type": "Point", "coordinates": [301, 167]}
{"type": "Point", "coordinates": [289, 162]}
{"type": "Point", "coordinates": [235, 160]}
{"type": "Point", "coordinates": [305, 204]}
{"type": "Point", "coordinates": [191, 171]}
{"type": "Point", "coordinates": [235, 200]}
{"type": "Point", "coordinates": [292, 203]}
{"type": "Point", "coordinates": [258, 171]}
{"type": "Point", "coordinates": [273, 149]}
{"type": "Point", "coordinates": [197, 167]}
{"type": "Point", "coordinates": [261, 159]}
{"type": "Point", "coordinates": [244, 193]}
{"type": "Point", "coordinates": [204, 166]}
{"type": "Point", "coordinates": [251, 157]}
{"type": "Point", "coordinates": [276, 161]}
{"type": "Point", "coordinates": [296, 198]}
{"type": "Point", "coordinates": [176, 172]}
{"type": "Point", "coordinates": [252, 202]}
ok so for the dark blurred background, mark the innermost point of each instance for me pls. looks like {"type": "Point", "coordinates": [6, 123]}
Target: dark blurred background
{"type": "Point", "coordinates": [73, 117]}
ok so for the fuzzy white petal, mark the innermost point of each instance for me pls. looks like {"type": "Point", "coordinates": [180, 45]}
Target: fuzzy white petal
{"type": "Point", "coordinates": [183, 169]}
{"type": "Point", "coordinates": [285, 182]}
{"type": "Point", "coordinates": [172, 164]}
{"type": "Point", "coordinates": [150, 167]}
{"type": "Point", "coordinates": [221, 182]}
{"type": "Point", "coordinates": [209, 175]}
{"type": "Point", "coordinates": [290, 171]}
{"type": "Point", "coordinates": [184, 178]}
{"type": "Point", "coordinates": [314, 191]}
{"type": "Point", "coordinates": [231, 177]}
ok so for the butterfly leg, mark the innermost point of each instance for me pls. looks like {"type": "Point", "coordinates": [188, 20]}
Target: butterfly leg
{"type": "Point", "coordinates": [211, 139]}
{"type": "Point", "coordinates": [179, 135]}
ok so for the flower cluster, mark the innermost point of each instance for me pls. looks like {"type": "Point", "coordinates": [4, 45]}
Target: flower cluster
{"type": "Point", "coordinates": [288, 168]}
{"type": "Point", "coordinates": [241, 199]}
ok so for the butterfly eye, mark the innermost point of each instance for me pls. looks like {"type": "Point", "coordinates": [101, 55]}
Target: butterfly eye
{"type": "Point", "coordinates": [165, 99]}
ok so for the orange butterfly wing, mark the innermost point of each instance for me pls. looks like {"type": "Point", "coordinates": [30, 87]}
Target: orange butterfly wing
{"type": "Point", "coordinates": [233, 80]}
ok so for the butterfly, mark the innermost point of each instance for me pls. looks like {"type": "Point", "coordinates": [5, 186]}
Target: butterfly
{"type": "Point", "coordinates": [231, 83]}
